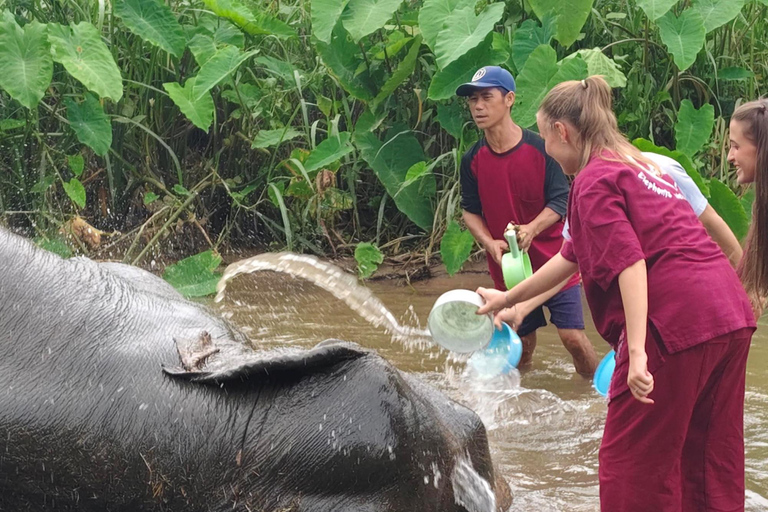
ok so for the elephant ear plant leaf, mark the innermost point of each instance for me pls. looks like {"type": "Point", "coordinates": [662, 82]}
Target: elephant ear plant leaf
{"type": "Point", "coordinates": [154, 22]}
{"type": "Point", "coordinates": [455, 247]}
{"type": "Point", "coordinates": [340, 57]}
{"type": "Point", "coordinates": [26, 65]}
{"type": "Point", "coordinates": [434, 14]}
{"type": "Point", "coordinates": [684, 36]}
{"type": "Point", "coordinates": [716, 13]}
{"type": "Point", "coordinates": [529, 36]}
{"type": "Point", "coordinates": [693, 127]}
{"type": "Point", "coordinates": [568, 17]}
{"type": "Point", "coordinates": [194, 276]}
{"type": "Point", "coordinates": [325, 14]}
{"type": "Point", "coordinates": [259, 23]}
{"type": "Point", "coordinates": [90, 123]}
{"type": "Point", "coordinates": [330, 150]}
{"type": "Point", "coordinates": [368, 258]}
{"type": "Point", "coordinates": [464, 31]}
{"type": "Point", "coordinates": [363, 17]}
{"type": "Point", "coordinates": [218, 67]}
{"type": "Point", "coordinates": [80, 49]}
{"type": "Point", "coordinates": [728, 206]}
{"type": "Point", "coordinates": [199, 110]}
{"type": "Point", "coordinates": [446, 80]}
{"type": "Point", "coordinates": [655, 9]}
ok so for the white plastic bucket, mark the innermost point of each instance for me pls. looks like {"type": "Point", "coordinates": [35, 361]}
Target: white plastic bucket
{"type": "Point", "coordinates": [455, 324]}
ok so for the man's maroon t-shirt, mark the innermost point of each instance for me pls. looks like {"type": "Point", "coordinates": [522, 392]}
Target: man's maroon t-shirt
{"type": "Point", "coordinates": [515, 186]}
{"type": "Point", "coordinates": [619, 215]}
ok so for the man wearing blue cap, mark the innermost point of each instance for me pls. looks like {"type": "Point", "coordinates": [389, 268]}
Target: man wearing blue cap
{"type": "Point", "coordinates": [507, 177]}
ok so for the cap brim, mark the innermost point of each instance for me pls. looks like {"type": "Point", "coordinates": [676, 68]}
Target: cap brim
{"type": "Point", "coordinates": [470, 87]}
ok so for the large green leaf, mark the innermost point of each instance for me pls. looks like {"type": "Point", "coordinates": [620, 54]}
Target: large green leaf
{"type": "Point", "coordinates": [325, 15]}
{"type": "Point", "coordinates": [269, 138]}
{"type": "Point", "coordinates": [465, 31]}
{"type": "Point", "coordinates": [391, 161]}
{"type": "Point", "coordinates": [528, 37]}
{"type": "Point", "coordinates": [76, 191]}
{"type": "Point", "coordinates": [368, 258]}
{"type": "Point", "coordinates": [734, 73]}
{"type": "Point", "coordinates": [363, 17]}
{"type": "Point", "coordinates": [455, 247]}
{"type": "Point", "coordinates": [259, 23]}
{"type": "Point", "coordinates": [198, 109]}
{"type": "Point", "coordinates": [684, 36]}
{"type": "Point", "coordinates": [340, 57]}
{"type": "Point", "coordinates": [80, 49]}
{"type": "Point", "coordinates": [451, 118]}
{"type": "Point", "coordinates": [26, 66]}
{"type": "Point", "coordinates": [328, 151]}
{"type": "Point", "coordinates": [569, 16]}
{"type": "Point", "coordinates": [540, 74]}
{"type": "Point", "coordinates": [403, 71]}
{"type": "Point", "coordinates": [433, 16]}
{"type": "Point", "coordinates": [203, 47]}
{"type": "Point", "coordinates": [217, 68]}
{"type": "Point", "coordinates": [153, 21]}
{"type": "Point", "coordinates": [445, 81]}
{"type": "Point", "coordinates": [716, 13]}
{"type": "Point", "coordinates": [728, 206]}
{"type": "Point", "coordinates": [194, 276]}
{"type": "Point", "coordinates": [693, 127]}
{"type": "Point", "coordinates": [599, 64]}
{"type": "Point", "coordinates": [90, 123]}
{"type": "Point", "coordinates": [682, 159]}
{"type": "Point", "coordinates": [655, 9]}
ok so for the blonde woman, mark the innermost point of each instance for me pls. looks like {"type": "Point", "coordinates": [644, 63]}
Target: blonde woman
{"type": "Point", "coordinates": [664, 295]}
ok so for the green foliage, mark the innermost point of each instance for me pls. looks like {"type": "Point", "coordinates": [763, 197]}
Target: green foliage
{"type": "Point", "coordinates": [464, 31]}
{"type": "Point", "coordinates": [568, 17]}
{"type": "Point", "coordinates": [684, 36]}
{"type": "Point", "coordinates": [340, 57]}
{"type": "Point", "coordinates": [254, 23]}
{"type": "Point", "coordinates": [153, 21]}
{"type": "Point", "coordinates": [325, 15]}
{"type": "Point", "coordinates": [362, 17]}
{"type": "Point", "coordinates": [717, 13]}
{"type": "Point", "coordinates": [90, 123]}
{"type": "Point", "coordinates": [655, 9]}
{"type": "Point", "coordinates": [403, 71]}
{"type": "Point", "coordinates": [599, 64]}
{"type": "Point", "coordinates": [76, 164]}
{"type": "Point", "coordinates": [80, 49]}
{"type": "Point", "coordinates": [434, 15]}
{"type": "Point", "coordinates": [269, 138]}
{"type": "Point", "coordinates": [217, 68]}
{"type": "Point", "coordinates": [197, 108]}
{"type": "Point", "coordinates": [368, 258]}
{"type": "Point", "coordinates": [455, 247]}
{"type": "Point", "coordinates": [330, 150]}
{"type": "Point", "coordinates": [693, 127]}
{"type": "Point", "coordinates": [76, 191]}
{"type": "Point", "coordinates": [390, 161]}
{"type": "Point", "coordinates": [26, 65]}
{"type": "Point", "coordinates": [728, 206]}
{"type": "Point", "coordinates": [194, 276]}
{"type": "Point", "coordinates": [540, 74]}
{"type": "Point", "coordinates": [529, 36]}
{"type": "Point", "coordinates": [55, 245]}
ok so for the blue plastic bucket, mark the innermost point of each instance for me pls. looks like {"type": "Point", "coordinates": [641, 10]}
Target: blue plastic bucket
{"type": "Point", "coordinates": [501, 355]}
{"type": "Point", "coordinates": [604, 372]}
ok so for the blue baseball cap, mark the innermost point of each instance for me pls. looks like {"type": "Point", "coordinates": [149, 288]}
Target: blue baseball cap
{"type": "Point", "coordinates": [489, 76]}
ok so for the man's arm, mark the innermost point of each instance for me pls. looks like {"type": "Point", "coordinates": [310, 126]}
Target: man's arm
{"type": "Point", "coordinates": [722, 235]}
{"type": "Point", "coordinates": [479, 229]}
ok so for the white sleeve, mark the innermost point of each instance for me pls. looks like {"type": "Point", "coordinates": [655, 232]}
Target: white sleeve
{"type": "Point", "coordinates": [566, 231]}
{"type": "Point", "coordinates": [684, 182]}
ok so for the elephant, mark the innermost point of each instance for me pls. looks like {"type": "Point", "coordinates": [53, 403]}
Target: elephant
{"type": "Point", "coordinates": [117, 394]}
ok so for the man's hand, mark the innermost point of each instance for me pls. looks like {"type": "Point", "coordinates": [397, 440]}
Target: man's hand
{"type": "Point", "coordinates": [525, 235]}
{"type": "Point", "coordinates": [496, 248]}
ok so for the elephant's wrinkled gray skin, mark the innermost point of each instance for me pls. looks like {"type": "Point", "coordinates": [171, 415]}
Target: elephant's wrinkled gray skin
{"type": "Point", "coordinates": [89, 420]}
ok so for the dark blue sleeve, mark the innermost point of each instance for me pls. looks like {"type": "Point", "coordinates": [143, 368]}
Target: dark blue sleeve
{"type": "Point", "coordinates": [470, 197]}
{"type": "Point", "coordinates": [555, 186]}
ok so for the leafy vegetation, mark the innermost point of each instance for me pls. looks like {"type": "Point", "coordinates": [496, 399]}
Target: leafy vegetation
{"type": "Point", "coordinates": [318, 125]}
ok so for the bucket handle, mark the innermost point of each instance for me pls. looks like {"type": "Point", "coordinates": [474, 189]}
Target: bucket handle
{"type": "Point", "coordinates": [511, 236]}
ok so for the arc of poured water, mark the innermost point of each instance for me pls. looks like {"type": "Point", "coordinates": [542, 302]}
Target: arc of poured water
{"type": "Point", "coordinates": [327, 276]}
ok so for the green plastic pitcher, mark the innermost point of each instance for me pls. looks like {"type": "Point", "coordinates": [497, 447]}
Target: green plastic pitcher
{"type": "Point", "coordinates": [515, 265]}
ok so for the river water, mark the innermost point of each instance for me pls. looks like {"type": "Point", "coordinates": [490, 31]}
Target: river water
{"type": "Point", "coordinates": [544, 426]}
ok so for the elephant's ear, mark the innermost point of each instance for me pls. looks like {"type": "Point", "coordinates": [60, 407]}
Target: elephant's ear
{"type": "Point", "coordinates": [198, 364]}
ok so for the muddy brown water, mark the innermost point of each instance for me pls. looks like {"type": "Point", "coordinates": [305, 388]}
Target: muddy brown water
{"type": "Point", "coordinates": [544, 426]}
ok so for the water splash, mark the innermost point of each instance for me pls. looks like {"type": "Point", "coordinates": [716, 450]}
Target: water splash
{"type": "Point", "coordinates": [470, 490]}
{"type": "Point", "coordinates": [331, 278]}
